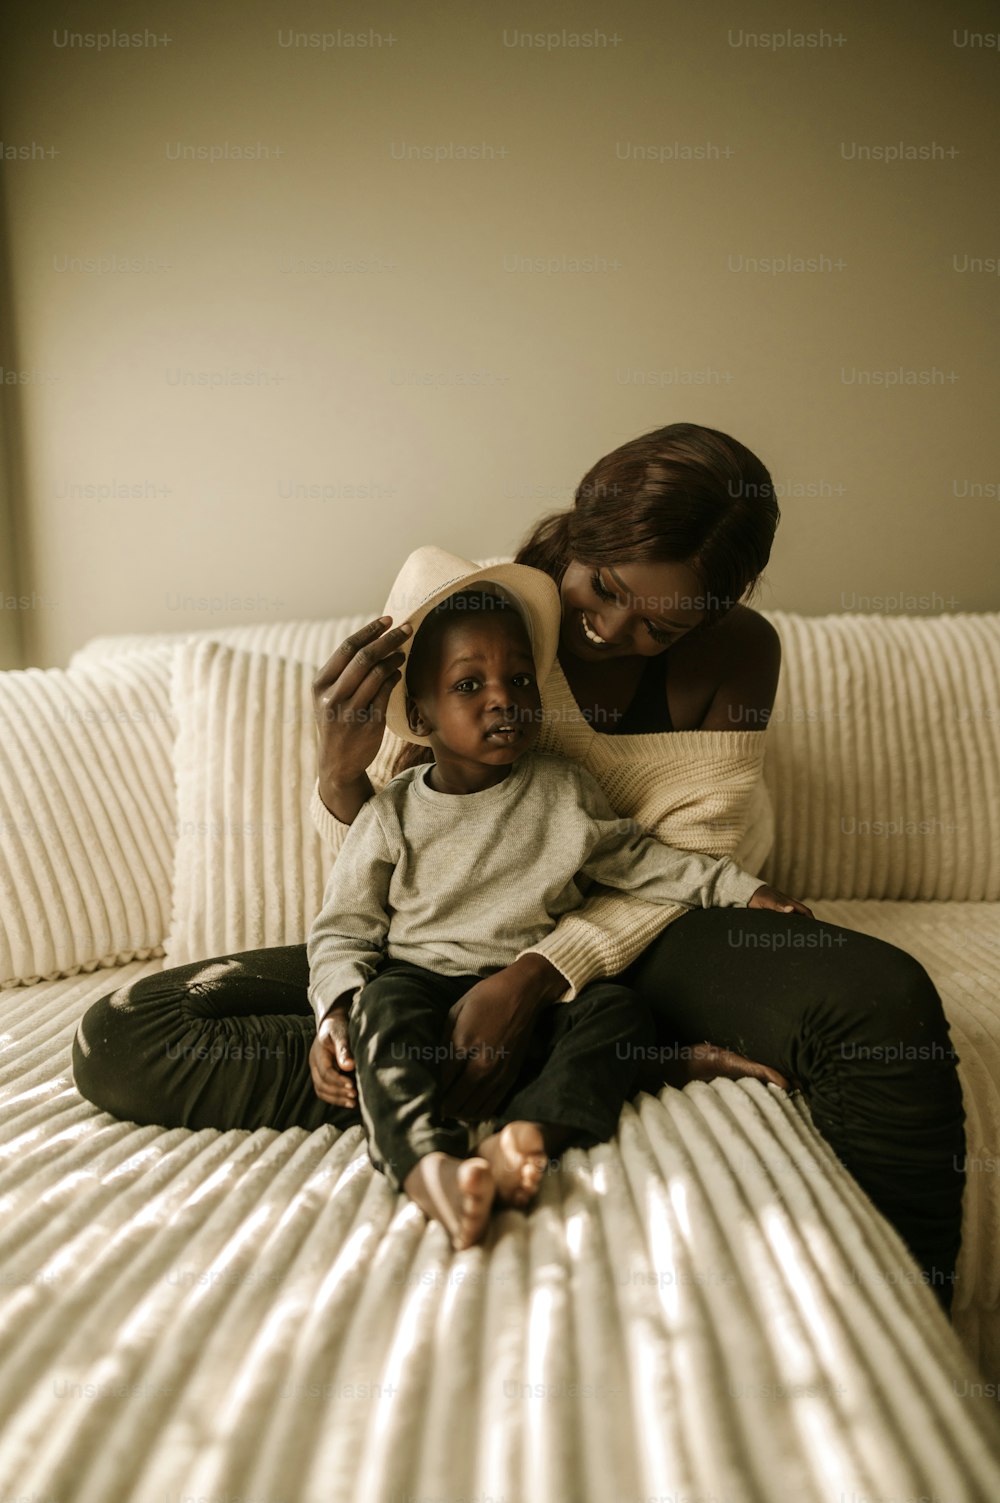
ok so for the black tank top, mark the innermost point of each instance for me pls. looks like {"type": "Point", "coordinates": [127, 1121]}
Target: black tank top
{"type": "Point", "coordinates": [648, 711]}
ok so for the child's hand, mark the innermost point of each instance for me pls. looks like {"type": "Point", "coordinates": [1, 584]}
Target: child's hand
{"type": "Point", "coordinates": [329, 1059]}
{"type": "Point", "coordinates": [770, 897]}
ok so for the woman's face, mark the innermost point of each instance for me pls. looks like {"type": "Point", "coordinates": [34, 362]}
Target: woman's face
{"type": "Point", "coordinates": [638, 610]}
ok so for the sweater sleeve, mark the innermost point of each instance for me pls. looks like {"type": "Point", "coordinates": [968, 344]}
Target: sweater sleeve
{"type": "Point", "coordinates": [708, 815]}
{"type": "Point", "coordinates": [347, 939]}
{"type": "Point", "coordinates": [333, 831]}
{"type": "Point", "coordinates": [626, 858]}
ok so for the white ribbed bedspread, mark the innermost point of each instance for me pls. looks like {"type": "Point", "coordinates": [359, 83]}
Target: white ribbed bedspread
{"type": "Point", "coordinates": [706, 1308]}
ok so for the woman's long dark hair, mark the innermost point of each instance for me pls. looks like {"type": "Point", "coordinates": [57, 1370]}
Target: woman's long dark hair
{"type": "Point", "coordinates": [683, 494]}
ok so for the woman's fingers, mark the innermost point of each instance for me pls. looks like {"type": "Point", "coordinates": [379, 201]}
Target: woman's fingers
{"type": "Point", "coordinates": [792, 905]}
{"type": "Point", "coordinates": [710, 1062]}
{"type": "Point", "coordinates": [346, 650]}
{"type": "Point", "coordinates": [777, 902]}
{"type": "Point", "coordinates": [374, 652]}
{"type": "Point", "coordinates": [335, 1096]}
{"type": "Point", "coordinates": [350, 695]}
{"type": "Point", "coordinates": [376, 708]}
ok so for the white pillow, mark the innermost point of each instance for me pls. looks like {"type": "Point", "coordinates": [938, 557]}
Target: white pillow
{"type": "Point", "coordinates": [883, 757]}
{"type": "Point", "coordinates": [250, 868]}
{"type": "Point", "coordinates": [309, 641]}
{"type": "Point", "coordinates": [86, 816]}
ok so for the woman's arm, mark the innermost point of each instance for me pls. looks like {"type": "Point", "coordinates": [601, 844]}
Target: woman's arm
{"type": "Point", "coordinates": [350, 694]}
{"type": "Point", "coordinates": [708, 780]}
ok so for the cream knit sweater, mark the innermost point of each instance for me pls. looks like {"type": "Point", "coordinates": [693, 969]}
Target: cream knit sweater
{"type": "Point", "coordinates": [698, 790]}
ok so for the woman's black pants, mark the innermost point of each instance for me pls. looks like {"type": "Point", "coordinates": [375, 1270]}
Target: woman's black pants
{"type": "Point", "coordinates": [854, 1022]}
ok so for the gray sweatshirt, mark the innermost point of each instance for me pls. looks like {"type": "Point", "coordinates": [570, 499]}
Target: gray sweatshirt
{"type": "Point", "coordinates": [465, 883]}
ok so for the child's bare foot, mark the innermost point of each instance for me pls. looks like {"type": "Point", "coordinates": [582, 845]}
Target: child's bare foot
{"type": "Point", "coordinates": [517, 1156]}
{"type": "Point", "coordinates": [457, 1192]}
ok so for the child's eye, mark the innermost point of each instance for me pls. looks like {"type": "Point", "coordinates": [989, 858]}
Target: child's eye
{"type": "Point", "coordinates": [528, 677]}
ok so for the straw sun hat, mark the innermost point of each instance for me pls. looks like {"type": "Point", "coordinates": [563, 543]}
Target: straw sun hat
{"type": "Point", "coordinates": [431, 574]}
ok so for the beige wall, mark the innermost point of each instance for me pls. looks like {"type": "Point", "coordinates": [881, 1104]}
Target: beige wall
{"type": "Point", "coordinates": [397, 342]}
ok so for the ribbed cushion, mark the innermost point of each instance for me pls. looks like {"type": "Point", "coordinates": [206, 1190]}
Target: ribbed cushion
{"type": "Point", "coordinates": [86, 815]}
{"type": "Point", "coordinates": [883, 757]}
{"type": "Point", "coordinates": [250, 868]}
{"type": "Point", "coordinates": [306, 641]}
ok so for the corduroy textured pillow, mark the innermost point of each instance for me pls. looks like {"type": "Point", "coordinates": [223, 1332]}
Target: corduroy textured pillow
{"type": "Point", "coordinates": [250, 868]}
{"type": "Point", "coordinates": [86, 816]}
{"type": "Point", "coordinates": [883, 757]}
{"type": "Point", "coordinates": [307, 641]}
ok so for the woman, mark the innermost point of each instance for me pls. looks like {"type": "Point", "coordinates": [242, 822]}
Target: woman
{"type": "Point", "coordinates": [666, 538]}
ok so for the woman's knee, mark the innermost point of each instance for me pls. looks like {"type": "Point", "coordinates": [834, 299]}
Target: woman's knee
{"type": "Point", "coordinates": [913, 1035]}
{"type": "Point", "coordinates": [120, 1049]}
{"type": "Point", "coordinates": [901, 1002]}
{"type": "Point", "coordinates": [880, 1024]}
{"type": "Point", "coordinates": [100, 1052]}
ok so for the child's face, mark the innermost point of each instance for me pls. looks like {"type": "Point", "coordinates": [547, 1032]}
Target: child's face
{"type": "Point", "coordinates": [482, 674]}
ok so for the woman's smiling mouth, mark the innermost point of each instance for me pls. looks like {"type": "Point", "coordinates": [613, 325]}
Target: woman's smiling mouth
{"type": "Point", "coordinates": [590, 634]}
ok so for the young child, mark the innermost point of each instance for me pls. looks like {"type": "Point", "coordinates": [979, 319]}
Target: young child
{"type": "Point", "coordinates": [455, 868]}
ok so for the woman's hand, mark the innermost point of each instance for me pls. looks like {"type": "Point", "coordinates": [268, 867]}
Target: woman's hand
{"type": "Point", "coordinates": [770, 897]}
{"type": "Point", "coordinates": [491, 1028]}
{"type": "Point", "coordinates": [330, 1060]}
{"type": "Point", "coordinates": [350, 694]}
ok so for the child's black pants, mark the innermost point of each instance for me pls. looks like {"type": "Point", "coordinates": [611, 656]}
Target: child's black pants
{"type": "Point", "coordinates": [582, 1064]}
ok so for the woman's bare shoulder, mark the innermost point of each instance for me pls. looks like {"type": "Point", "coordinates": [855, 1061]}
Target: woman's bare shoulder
{"type": "Point", "coordinates": [727, 676]}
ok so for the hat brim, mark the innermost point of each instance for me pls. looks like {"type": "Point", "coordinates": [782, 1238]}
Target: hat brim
{"type": "Point", "coordinates": [534, 593]}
